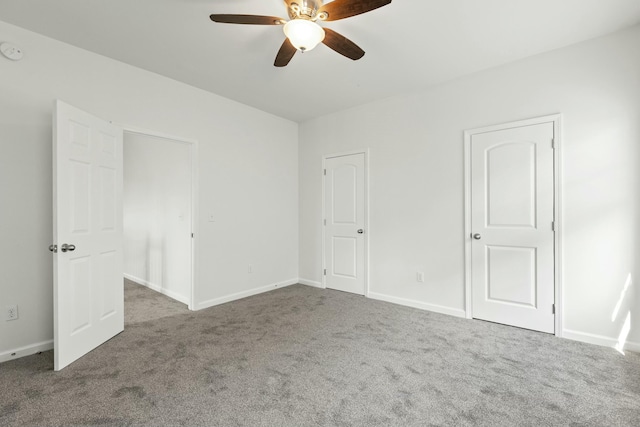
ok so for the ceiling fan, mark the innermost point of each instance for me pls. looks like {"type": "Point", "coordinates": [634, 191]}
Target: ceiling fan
{"type": "Point", "coordinates": [302, 31]}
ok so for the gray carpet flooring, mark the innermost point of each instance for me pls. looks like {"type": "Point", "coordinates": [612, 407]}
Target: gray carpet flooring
{"type": "Point", "coordinates": [142, 304]}
{"type": "Point", "coordinates": [301, 356]}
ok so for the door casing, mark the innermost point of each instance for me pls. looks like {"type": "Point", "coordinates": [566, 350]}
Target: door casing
{"type": "Point", "coordinates": [367, 229]}
{"type": "Point", "coordinates": [557, 183]}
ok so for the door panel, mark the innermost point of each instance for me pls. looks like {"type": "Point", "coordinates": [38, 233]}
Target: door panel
{"type": "Point", "coordinates": [80, 274]}
{"type": "Point", "coordinates": [512, 255]}
{"type": "Point", "coordinates": [345, 215]}
{"type": "Point", "coordinates": [511, 275]}
{"type": "Point", "coordinates": [345, 257]}
{"type": "Point", "coordinates": [344, 180]}
{"type": "Point", "coordinates": [79, 197]}
{"type": "Point", "coordinates": [108, 214]}
{"type": "Point", "coordinates": [511, 185]}
{"type": "Point", "coordinates": [108, 267]}
{"type": "Point", "coordinates": [87, 206]}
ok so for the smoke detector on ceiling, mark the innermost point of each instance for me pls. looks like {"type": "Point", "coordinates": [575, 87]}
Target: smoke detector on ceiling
{"type": "Point", "coordinates": [11, 51]}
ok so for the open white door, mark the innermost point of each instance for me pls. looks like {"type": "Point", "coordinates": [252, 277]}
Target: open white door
{"type": "Point", "coordinates": [88, 300]}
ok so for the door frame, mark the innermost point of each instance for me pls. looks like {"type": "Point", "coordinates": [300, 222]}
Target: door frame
{"type": "Point", "coordinates": [557, 210]}
{"type": "Point", "coordinates": [367, 230]}
{"type": "Point", "coordinates": [193, 154]}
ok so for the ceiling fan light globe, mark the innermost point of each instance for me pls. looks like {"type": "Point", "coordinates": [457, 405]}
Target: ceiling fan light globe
{"type": "Point", "coordinates": [303, 34]}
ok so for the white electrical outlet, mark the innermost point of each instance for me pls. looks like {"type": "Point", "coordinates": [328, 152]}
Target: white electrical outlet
{"type": "Point", "coordinates": [420, 276]}
{"type": "Point", "coordinates": [11, 312]}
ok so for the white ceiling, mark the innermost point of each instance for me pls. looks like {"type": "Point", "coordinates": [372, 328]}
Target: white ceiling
{"type": "Point", "coordinates": [410, 44]}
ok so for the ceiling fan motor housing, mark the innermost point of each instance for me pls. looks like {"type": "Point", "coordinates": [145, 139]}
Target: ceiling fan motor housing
{"type": "Point", "coordinates": [304, 9]}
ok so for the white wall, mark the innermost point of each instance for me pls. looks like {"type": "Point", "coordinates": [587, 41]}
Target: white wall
{"type": "Point", "coordinates": [157, 214]}
{"type": "Point", "coordinates": [247, 168]}
{"type": "Point", "coordinates": [417, 187]}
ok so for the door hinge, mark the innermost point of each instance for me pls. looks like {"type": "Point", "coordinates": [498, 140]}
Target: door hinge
{"type": "Point", "coordinates": [325, 171]}
{"type": "Point", "coordinates": [325, 222]}
{"type": "Point", "coordinates": [325, 271]}
{"type": "Point", "coordinates": [553, 309]}
{"type": "Point", "coordinates": [192, 235]}
{"type": "Point", "coordinates": [553, 143]}
{"type": "Point", "coordinates": [553, 226]}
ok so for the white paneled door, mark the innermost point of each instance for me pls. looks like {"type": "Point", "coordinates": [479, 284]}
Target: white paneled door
{"type": "Point", "coordinates": [345, 223]}
{"type": "Point", "coordinates": [87, 207]}
{"type": "Point", "coordinates": [512, 237]}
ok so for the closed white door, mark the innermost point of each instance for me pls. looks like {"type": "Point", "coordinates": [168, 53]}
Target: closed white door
{"type": "Point", "coordinates": [345, 223]}
{"type": "Point", "coordinates": [512, 249]}
{"type": "Point", "coordinates": [87, 207]}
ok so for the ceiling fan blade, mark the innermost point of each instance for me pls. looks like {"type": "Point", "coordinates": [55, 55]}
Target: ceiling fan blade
{"type": "Point", "coordinates": [247, 19]}
{"type": "Point", "coordinates": [342, 45]}
{"type": "Point", "coordinates": [285, 54]}
{"type": "Point", "coordinates": [340, 9]}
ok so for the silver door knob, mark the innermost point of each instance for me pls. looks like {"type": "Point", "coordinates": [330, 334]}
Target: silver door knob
{"type": "Point", "coordinates": [65, 247]}
{"type": "Point", "coordinates": [53, 248]}
{"type": "Point", "coordinates": [477, 236]}
{"type": "Point", "coordinates": [361, 231]}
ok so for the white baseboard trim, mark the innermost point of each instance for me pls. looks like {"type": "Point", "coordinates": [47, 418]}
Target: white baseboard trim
{"type": "Point", "coordinates": [312, 283]}
{"type": "Point", "coordinates": [418, 304]}
{"type": "Point", "coordinates": [228, 298]}
{"type": "Point", "coordinates": [598, 340]}
{"type": "Point", "coordinates": [157, 288]}
{"type": "Point", "coordinates": [27, 350]}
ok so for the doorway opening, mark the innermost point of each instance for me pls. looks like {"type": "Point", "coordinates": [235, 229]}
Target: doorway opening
{"type": "Point", "coordinates": [158, 225]}
{"type": "Point", "coordinates": [88, 235]}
